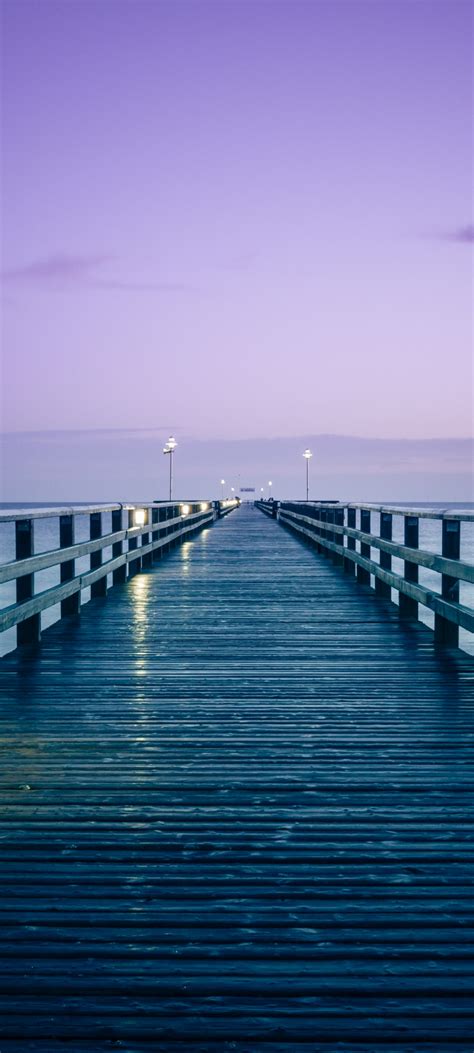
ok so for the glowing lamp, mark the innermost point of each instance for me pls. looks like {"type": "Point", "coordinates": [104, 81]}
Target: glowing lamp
{"type": "Point", "coordinates": [185, 510]}
{"type": "Point", "coordinates": [139, 517]}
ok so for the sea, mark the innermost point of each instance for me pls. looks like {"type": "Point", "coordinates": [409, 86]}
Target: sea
{"type": "Point", "coordinates": [47, 538]}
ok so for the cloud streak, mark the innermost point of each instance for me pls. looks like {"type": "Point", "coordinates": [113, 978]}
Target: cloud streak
{"type": "Point", "coordinates": [464, 235]}
{"type": "Point", "coordinates": [67, 270]}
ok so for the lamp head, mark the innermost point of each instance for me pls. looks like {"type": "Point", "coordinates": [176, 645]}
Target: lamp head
{"type": "Point", "coordinates": [139, 517]}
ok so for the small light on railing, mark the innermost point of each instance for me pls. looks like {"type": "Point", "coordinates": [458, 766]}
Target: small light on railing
{"type": "Point", "coordinates": [185, 510]}
{"type": "Point", "coordinates": [139, 517]}
{"type": "Point", "coordinates": [204, 506]}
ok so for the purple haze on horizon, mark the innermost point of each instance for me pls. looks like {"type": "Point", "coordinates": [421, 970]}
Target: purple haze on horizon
{"type": "Point", "coordinates": [238, 219]}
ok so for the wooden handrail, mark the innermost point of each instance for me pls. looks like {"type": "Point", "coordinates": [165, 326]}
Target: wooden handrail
{"type": "Point", "coordinates": [458, 568]}
{"type": "Point", "coordinates": [13, 515]}
{"type": "Point", "coordinates": [16, 568]}
{"type": "Point", "coordinates": [165, 523]}
{"type": "Point", "coordinates": [324, 523]}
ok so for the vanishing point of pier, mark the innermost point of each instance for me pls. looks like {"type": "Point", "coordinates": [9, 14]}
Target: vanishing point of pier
{"type": "Point", "coordinates": [236, 808]}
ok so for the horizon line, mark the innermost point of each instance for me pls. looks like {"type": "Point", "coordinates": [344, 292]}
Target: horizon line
{"type": "Point", "coordinates": [219, 438]}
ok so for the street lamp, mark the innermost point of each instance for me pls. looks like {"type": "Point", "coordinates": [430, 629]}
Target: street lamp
{"type": "Point", "coordinates": [169, 449]}
{"type": "Point", "coordinates": [222, 484]}
{"type": "Point", "coordinates": [270, 484]}
{"type": "Point", "coordinates": [307, 455]}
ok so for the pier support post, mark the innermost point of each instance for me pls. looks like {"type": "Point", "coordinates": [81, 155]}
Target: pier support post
{"type": "Point", "coordinates": [135, 564]}
{"type": "Point", "coordinates": [381, 587]}
{"type": "Point", "coordinates": [155, 534]}
{"type": "Point", "coordinates": [363, 576]}
{"type": "Point", "coordinates": [325, 532]}
{"type": "Point", "coordinates": [338, 519]}
{"type": "Point", "coordinates": [447, 633]}
{"type": "Point", "coordinates": [72, 604]}
{"type": "Point", "coordinates": [28, 631]}
{"type": "Point", "coordinates": [99, 588]}
{"type": "Point", "coordinates": [349, 566]}
{"type": "Point", "coordinates": [120, 575]}
{"type": "Point", "coordinates": [146, 538]}
{"type": "Point", "coordinates": [408, 607]}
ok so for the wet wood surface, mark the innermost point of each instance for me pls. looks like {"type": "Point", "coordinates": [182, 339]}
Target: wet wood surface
{"type": "Point", "coordinates": [237, 815]}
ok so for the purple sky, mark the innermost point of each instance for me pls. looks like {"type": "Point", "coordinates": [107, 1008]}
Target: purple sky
{"type": "Point", "coordinates": [238, 219]}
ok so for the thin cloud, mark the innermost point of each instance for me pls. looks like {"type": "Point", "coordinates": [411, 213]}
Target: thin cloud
{"type": "Point", "coordinates": [66, 270]}
{"type": "Point", "coordinates": [464, 235]}
{"type": "Point", "coordinates": [242, 261]}
{"type": "Point", "coordinates": [61, 267]}
{"type": "Point", "coordinates": [141, 286]}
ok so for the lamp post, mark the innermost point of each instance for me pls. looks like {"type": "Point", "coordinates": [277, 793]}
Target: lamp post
{"type": "Point", "coordinates": [270, 484]}
{"type": "Point", "coordinates": [307, 455]}
{"type": "Point", "coordinates": [222, 484]}
{"type": "Point", "coordinates": [169, 450]}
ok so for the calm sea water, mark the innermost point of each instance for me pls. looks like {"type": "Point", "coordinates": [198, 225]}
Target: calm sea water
{"type": "Point", "coordinates": [47, 538]}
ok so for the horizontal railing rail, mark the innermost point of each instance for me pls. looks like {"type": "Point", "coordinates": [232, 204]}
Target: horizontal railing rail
{"type": "Point", "coordinates": [331, 527]}
{"type": "Point", "coordinates": [149, 531]}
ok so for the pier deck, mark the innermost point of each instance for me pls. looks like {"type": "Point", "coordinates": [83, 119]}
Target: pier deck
{"type": "Point", "coordinates": [236, 815]}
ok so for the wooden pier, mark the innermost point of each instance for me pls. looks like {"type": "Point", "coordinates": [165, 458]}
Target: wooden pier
{"type": "Point", "coordinates": [236, 811]}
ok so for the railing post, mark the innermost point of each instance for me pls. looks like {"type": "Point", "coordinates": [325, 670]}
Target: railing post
{"type": "Point", "coordinates": [72, 604]}
{"type": "Point", "coordinates": [349, 566]}
{"type": "Point", "coordinates": [155, 534]}
{"type": "Point", "coordinates": [99, 588]}
{"type": "Point", "coordinates": [119, 575]}
{"type": "Point", "coordinates": [134, 564]}
{"type": "Point", "coordinates": [312, 514]}
{"type": "Point", "coordinates": [147, 558]}
{"type": "Point", "coordinates": [161, 533]}
{"type": "Point", "coordinates": [408, 607]}
{"type": "Point", "coordinates": [29, 631]}
{"type": "Point", "coordinates": [381, 587]}
{"type": "Point", "coordinates": [318, 531]}
{"type": "Point", "coordinates": [338, 516]}
{"type": "Point", "coordinates": [177, 540]}
{"type": "Point", "coordinates": [363, 576]}
{"type": "Point", "coordinates": [324, 517]}
{"type": "Point", "coordinates": [447, 633]}
{"type": "Point", "coordinates": [331, 534]}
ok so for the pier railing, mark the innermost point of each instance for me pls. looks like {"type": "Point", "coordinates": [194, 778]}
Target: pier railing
{"type": "Point", "coordinates": [138, 535]}
{"type": "Point", "coordinates": [344, 533]}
